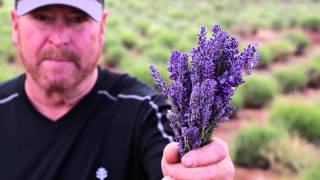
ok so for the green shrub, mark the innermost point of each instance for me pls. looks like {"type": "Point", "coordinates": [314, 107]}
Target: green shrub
{"type": "Point", "coordinates": [7, 52]}
{"type": "Point", "coordinates": [266, 57]}
{"type": "Point", "coordinates": [191, 34]}
{"type": "Point", "coordinates": [136, 6]}
{"type": "Point", "coordinates": [158, 54]}
{"type": "Point", "coordinates": [313, 70]}
{"type": "Point", "coordinates": [168, 39]}
{"type": "Point", "coordinates": [176, 14]}
{"type": "Point", "coordinates": [227, 21]}
{"type": "Point", "coordinates": [298, 117]}
{"type": "Point", "coordinates": [154, 29]}
{"type": "Point", "coordinates": [8, 3]}
{"type": "Point", "coordinates": [7, 49]}
{"type": "Point", "coordinates": [289, 155]}
{"type": "Point", "coordinates": [249, 144]}
{"type": "Point", "coordinates": [281, 49]}
{"type": "Point", "coordinates": [145, 45]}
{"type": "Point", "coordinates": [142, 25]}
{"type": "Point", "coordinates": [185, 45]}
{"type": "Point", "coordinates": [312, 173]}
{"type": "Point", "coordinates": [258, 91]}
{"type": "Point", "coordinates": [311, 22]}
{"type": "Point", "coordinates": [164, 35]}
{"type": "Point", "coordinates": [277, 23]}
{"type": "Point", "coordinates": [111, 40]}
{"type": "Point", "coordinates": [126, 63]}
{"type": "Point", "coordinates": [114, 55]}
{"type": "Point", "coordinates": [300, 41]}
{"type": "Point", "coordinates": [291, 79]}
{"type": "Point", "coordinates": [128, 38]}
{"type": "Point", "coordinates": [5, 16]}
{"type": "Point", "coordinates": [114, 21]}
{"type": "Point", "coordinates": [9, 71]}
{"type": "Point", "coordinates": [140, 69]}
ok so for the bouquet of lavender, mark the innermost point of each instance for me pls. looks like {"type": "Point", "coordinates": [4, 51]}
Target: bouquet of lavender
{"type": "Point", "coordinates": [200, 95]}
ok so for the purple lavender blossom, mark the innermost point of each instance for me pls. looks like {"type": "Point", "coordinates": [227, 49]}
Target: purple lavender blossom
{"type": "Point", "coordinates": [201, 95]}
{"type": "Point", "coordinates": [159, 80]}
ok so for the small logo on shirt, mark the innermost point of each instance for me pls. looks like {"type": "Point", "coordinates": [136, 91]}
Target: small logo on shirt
{"type": "Point", "coordinates": [102, 173]}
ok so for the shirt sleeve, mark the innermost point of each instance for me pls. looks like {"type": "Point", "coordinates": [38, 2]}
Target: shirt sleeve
{"type": "Point", "coordinates": [155, 135]}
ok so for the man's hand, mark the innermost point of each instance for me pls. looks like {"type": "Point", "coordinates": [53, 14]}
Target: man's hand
{"type": "Point", "coordinates": [209, 162]}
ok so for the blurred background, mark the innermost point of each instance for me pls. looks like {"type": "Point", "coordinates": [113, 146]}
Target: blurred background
{"type": "Point", "coordinates": [275, 132]}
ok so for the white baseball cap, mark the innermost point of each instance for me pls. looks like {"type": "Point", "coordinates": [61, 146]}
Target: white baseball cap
{"type": "Point", "coordinates": [93, 8]}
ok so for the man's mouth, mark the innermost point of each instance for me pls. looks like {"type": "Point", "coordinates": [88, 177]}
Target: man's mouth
{"type": "Point", "coordinates": [57, 60]}
{"type": "Point", "coordinates": [59, 57]}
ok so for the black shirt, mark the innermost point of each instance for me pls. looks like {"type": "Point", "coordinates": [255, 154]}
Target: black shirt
{"type": "Point", "coordinates": [117, 131]}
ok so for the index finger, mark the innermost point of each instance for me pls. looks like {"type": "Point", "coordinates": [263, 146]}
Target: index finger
{"type": "Point", "coordinates": [171, 153]}
{"type": "Point", "coordinates": [170, 156]}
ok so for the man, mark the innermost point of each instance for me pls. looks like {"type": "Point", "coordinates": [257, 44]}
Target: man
{"type": "Point", "coordinates": [66, 118]}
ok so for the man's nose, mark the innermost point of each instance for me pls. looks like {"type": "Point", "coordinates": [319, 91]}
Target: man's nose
{"type": "Point", "coordinates": [59, 35]}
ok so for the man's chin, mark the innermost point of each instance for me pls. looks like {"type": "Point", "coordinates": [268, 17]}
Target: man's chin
{"type": "Point", "coordinates": [58, 85]}
{"type": "Point", "coordinates": [59, 80]}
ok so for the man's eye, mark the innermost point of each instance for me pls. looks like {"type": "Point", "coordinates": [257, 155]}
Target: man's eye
{"type": "Point", "coordinates": [43, 17]}
{"type": "Point", "coordinates": [78, 19]}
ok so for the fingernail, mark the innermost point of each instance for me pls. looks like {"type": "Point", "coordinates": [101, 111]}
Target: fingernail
{"type": "Point", "coordinates": [166, 178]}
{"type": "Point", "coordinates": [187, 161]}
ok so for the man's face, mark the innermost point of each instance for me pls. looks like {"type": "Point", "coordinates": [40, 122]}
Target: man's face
{"type": "Point", "coordinates": [58, 45]}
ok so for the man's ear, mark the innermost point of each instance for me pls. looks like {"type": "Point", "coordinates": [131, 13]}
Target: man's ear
{"type": "Point", "coordinates": [103, 24]}
{"type": "Point", "coordinates": [14, 26]}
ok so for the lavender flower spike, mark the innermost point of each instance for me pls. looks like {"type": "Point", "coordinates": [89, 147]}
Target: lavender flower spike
{"type": "Point", "coordinates": [159, 80]}
{"type": "Point", "coordinates": [201, 95]}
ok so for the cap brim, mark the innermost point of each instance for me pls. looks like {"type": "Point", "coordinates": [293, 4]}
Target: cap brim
{"type": "Point", "coordinates": [93, 8]}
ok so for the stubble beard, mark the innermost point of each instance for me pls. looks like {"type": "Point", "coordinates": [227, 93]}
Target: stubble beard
{"type": "Point", "coordinates": [43, 78]}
